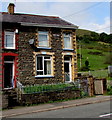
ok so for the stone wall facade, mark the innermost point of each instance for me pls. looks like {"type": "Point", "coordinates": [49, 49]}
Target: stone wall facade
{"type": "Point", "coordinates": [26, 59]}
{"type": "Point", "coordinates": [27, 56]}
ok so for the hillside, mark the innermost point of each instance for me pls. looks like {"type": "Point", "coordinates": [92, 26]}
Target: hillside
{"type": "Point", "coordinates": [81, 32]}
{"type": "Point", "coordinates": [96, 52]}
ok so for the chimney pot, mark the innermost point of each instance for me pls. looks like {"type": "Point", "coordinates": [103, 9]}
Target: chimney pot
{"type": "Point", "coordinates": [11, 8]}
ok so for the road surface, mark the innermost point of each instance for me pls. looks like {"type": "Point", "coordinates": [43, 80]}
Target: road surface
{"type": "Point", "coordinates": [97, 110]}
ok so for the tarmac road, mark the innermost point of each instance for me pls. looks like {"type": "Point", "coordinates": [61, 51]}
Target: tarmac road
{"type": "Point", "coordinates": [97, 110]}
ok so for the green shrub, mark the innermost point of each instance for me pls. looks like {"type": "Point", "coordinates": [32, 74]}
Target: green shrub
{"type": "Point", "coordinates": [109, 90]}
{"type": "Point", "coordinates": [48, 87]}
{"type": "Point", "coordinates": [84, 94]}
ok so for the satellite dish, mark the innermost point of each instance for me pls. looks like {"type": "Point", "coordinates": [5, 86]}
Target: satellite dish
{"type": "Point", "coordinates": [31, 41]}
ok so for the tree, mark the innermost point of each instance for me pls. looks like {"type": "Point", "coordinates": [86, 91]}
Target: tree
{"type": "Point", "coordinates": [79, 38]}
{"type": "Point", "coordinates": [109, 38]}
{"type": "Point", "coordinates": [95, 36]}
{"type": "Point", "coordinates": [103, 37]}
{"type": "Point", "coordinates": [86, 67]}
{"type": "Point", "coordinates": [87, 63]}
{"type": "Point", "coordinates": [87, 38]}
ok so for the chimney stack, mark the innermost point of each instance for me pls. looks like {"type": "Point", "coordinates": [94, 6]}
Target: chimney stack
{"type": "Point", "coordinates": [11, 8]}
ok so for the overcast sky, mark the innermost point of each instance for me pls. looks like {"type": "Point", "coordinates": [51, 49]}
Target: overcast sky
{"type": "Point", "coordinates": [87, 14]}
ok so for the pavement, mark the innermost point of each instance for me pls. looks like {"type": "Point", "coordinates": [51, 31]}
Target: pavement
{"type": "Point", "coordinates": [54, 106]}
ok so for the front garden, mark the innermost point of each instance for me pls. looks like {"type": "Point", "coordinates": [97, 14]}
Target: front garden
{"type": "Point", "coordinates": [37, 94]}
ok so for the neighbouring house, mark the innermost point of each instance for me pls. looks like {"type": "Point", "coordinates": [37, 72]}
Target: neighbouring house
{"type": "Point", "coordinates": [36, 49]}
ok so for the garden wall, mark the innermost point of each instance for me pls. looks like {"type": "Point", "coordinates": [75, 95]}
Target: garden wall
{"type": "Point", "coordinates": [9, 98]}
{"type": "Point", "coordinates": [36, 98]}
{"type": "Point", "coordinates": [4, 102]}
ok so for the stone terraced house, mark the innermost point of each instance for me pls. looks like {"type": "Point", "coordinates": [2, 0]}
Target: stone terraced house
{"type": "Point", "coordinates": [36, 49]}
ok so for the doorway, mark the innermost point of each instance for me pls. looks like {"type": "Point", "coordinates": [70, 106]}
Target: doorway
{"type": "Point", "coordinates": [67, 69]}
{"type": "Point", "coordinates": [8, 72]}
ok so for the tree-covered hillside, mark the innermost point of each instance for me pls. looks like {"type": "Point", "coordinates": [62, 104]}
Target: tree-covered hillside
{"type": "Point", "coordinates": [87, 36]}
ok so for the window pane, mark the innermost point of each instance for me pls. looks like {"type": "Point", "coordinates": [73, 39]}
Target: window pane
{"type": "Point", "coordinates": [43, 39]}
{"type": "Point", "coordinates": [47, 67]}
{"type": "Point", "coordinates": [67, 40]}
{"type": "Point", "coordinates": [39, 63]}
{"type": "Point", "coordinates": [67, 58]}
{"type": "Point", "coordinates": [66, 35]}
{"type": "Point", "coordinates": [39, 72]}
{"type": "Point", "coordinates": [43, 43]}
{"type": "Point", "coordinates": [9, 40]}
{"type": "Point", "coordinates": [67, 43]}
{"type": "Point", "coordinates": [43, 65]}
{"type": "Point", "coordinates": [8, 58]}
{"type": "Point", "coordinates": [47, 57]}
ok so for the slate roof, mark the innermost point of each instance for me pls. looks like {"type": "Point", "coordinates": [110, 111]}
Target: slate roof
{"type": "Point", "coordinates": [36, 20]}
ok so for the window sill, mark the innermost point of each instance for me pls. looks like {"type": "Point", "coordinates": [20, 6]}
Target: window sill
{"type": "Point", "coordinates": [44, 76]}
{"type": "Point", "coordinates": [47, 48]}
{"type": "Point", "coordinates": [7, 48]}
{"type": "Point", "coordinates": [68, 49]}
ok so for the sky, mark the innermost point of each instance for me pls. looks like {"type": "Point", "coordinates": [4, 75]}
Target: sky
{"type": "Point", "coordinates": [87, 14]}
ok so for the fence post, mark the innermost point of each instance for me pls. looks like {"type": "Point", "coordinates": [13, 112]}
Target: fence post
{"type": "Point", "coordinates": [91, 85]}
{"type": "Point", "coordinates": [104, 85]}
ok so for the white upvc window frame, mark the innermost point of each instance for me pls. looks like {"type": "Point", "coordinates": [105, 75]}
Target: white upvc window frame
{"type": "Point", "coordinates": [44, 33]}
{"type": "Point", "coordinates": [43, 62]}
{"type": "Point", "coordinates": [67, 35]}
{"type": "Point", "coordinates": [14, 40]}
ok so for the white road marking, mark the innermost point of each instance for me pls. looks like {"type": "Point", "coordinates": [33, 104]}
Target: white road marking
{"type": "Point", "coordinates": [105, 115]}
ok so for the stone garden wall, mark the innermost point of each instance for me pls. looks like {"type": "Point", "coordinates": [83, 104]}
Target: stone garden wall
{"type": "Point", "coordinates": [36, 98]}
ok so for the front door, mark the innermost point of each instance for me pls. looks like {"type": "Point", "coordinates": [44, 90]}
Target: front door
{"type": "Point", "coordinates": [67, 68]}
{"type": "Point", "coordinates": [8, 74]}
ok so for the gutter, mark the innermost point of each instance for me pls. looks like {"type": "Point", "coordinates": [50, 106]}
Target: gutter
{"type": "Point", "coordinates": [48, 25]}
